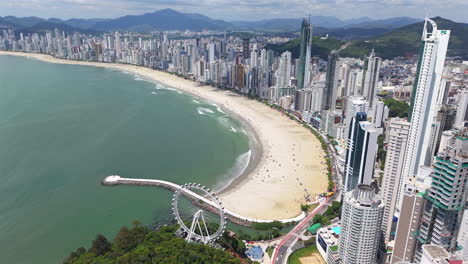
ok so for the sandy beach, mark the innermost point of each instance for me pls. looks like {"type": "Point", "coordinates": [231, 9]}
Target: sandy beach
{"type": "Point", "coordinates": [291, 164]}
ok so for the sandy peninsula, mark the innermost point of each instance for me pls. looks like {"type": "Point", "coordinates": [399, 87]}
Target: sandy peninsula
{"type": "Point", "coordinates": [291, 163]}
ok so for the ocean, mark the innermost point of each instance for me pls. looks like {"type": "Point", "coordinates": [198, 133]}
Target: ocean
{"type": "Point", "coordinates": [63, 128]}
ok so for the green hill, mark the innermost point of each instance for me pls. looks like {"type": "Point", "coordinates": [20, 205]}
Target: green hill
{"type": "Point", "coordinates": [139, 244]}
{"type": "Point", "coordinates": [320, 47]}
{"type": "Point", "coordinates": [404, 41]}
{"type": "Point", "coordinates": [407, 40]}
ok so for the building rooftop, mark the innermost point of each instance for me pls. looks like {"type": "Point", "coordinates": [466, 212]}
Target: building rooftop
{"type": "Point", "coordinates": [330, 235]}
{"type": "Point", "coordinates": [435, 252]}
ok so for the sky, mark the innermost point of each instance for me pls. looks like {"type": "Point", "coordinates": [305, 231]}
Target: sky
{"type": "Point", "coordinates": [239, 10]}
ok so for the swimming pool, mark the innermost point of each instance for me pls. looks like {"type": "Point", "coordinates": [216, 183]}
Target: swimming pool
{"type": "Point", "coordinates": [336, 229]}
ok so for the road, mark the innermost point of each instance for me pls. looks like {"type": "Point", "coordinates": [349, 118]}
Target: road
{"type": "Point", "coordinates": [280, 255]}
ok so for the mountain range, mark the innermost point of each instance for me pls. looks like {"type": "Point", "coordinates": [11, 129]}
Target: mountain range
{"type": "Point", "coordinates": [389, 37]}
{"type": "Point", "coordinates": [403, 41]}
{"type": "Point", "coordinates": [169, 19]}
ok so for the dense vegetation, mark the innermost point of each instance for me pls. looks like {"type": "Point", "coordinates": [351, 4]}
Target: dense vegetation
{"type": "Point", "coordinates": [406, 41]}
{"type": "Point", "coordinates": [320, 47]}
{"type": "Point", "coordinates": [397, 108]}
{"type": "Point", "coordinates": [140, 244]}
{"type": "Point", "coordinates": [332, 212]}
{"type": "Point", "coordinates": [381, 151]}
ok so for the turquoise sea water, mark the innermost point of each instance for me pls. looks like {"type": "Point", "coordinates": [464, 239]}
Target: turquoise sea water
{"type": "Point", "coordinates": [63, 128]}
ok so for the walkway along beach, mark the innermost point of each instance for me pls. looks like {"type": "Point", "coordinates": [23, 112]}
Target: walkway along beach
{"type": "Point", "coordinates": [291, 163]}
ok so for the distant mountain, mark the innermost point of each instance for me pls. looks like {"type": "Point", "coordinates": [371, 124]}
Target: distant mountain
{"type": "Point", "coordinates": [169, 19]}
{"type": "Point", "coordinates": [279, 24]}
{"type": "Point", "coordinates": [407, 40]}
{"type": "Point", "coordinates": [82, 23]}
{"type": "Point", "coordinates": [45, 26]}
{"type": "Point", "coordinates": [28, 25]}
{"type": "Point", "coordinates": [389, 23]}
{"type": "Point", "coordinates": [403, 41]}
{"type": "Point", "coordinates": [350, 33]}
{"type": "Point", "coordinates": [320, 47]}
{"type": "Point", "coordinates": [20, 22]}
{"type": "Point", "coordinates": [329, 22]}
{"type": "Point", "coordinates": [166, 19]}
{"type": "Point", "coordinates": [288, 24]}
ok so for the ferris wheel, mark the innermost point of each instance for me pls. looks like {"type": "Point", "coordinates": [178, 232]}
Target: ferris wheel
{"type": "Point", "coordinates": [199, 213]}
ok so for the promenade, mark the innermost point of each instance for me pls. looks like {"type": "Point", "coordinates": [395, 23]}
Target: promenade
{"type": "Point", "coordinates": [232, 216]}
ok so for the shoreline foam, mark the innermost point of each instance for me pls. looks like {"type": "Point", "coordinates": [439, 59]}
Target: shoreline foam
{"type": "Point", "coordinates": [288, 160]}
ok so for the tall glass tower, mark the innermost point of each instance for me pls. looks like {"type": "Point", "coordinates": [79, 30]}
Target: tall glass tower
{"type": "Point", "coordinates": [304, 54]}
{"type": "Point", "coordinates": [361, 152]}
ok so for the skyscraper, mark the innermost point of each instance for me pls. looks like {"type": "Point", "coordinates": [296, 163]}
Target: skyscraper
{"type": "Point", "coordinates": [381, 112]}
{"type": "Point", "coordinates": [361, 221]}
{"type": "Point", "coordinates": [304, 54]}
{"type": "Point", "coordinates": [463, 237]}
{"type": "Point", "coordinates": [446, 198]}
{"type": "Point", "coordinates": [211, 52]}
{"type": "Point", "coordinates": [423, 101]}
{"type": "Point", "coordinates": [361, 152]}
{"type": "Point", "coordinates": [407, 228]}
{"type": "Point", "coordinates": [462, 111]}
{"type": "Point", "coordinates": [246, 48]}
{"type": "Point", "coordinates": [353, 105]}
{"type": "Point", "coordinates": [370, 78]}
{"type": "Point", "coordinates": [283, 74]}
{"type": "Point", "coordinates": [398, 130]}
{"type": "Point", "coordinates": [331, 82]}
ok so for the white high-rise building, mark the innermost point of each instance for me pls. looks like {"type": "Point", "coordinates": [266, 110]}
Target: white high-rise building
{"type": "Point", "coordinates": [353, 105]}
{"type": "Point", "coordinates": [361, 221]}
{"type": "Point", "coordinates": [283, 74]}
{"type": "Point", "coordinates": [398, 130]}
{"type": "Point", "coordinates": [380, 114]}
{"type": "Point", "coordinates": [463, 237]}
{"type": "Point", "coordinates": [462, 111]}
{"type": "Point", "coordinates": [211, 52]}
{"type": "Point", "coordinates": [424, 103]}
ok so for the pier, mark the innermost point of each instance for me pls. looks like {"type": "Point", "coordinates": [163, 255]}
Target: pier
{"type": "Point", "coordinates": [235, 218]}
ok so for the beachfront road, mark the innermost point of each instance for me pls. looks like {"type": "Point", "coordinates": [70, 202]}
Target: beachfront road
{"type": "Point", "coordinates": [281, 253]}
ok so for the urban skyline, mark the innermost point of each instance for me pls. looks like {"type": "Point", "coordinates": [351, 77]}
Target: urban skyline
{"type": "Point", "coordinates": [400, 175]}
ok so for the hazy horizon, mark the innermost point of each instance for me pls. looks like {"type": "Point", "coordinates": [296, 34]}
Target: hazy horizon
{"type": "Point", "coordinates": [248, 10]}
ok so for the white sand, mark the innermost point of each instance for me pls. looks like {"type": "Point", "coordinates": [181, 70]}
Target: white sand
{"type": "Point", "coordinates": [291, 154]}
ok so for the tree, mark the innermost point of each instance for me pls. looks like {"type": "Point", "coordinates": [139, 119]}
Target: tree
{"type": "Point", "coordinates": [100, 245]}
{"type": "Point", "coordinates": [125, 240]}
{"type": "Point", "coordinates": [139, 244]}
{"type": "Point", "coordinates": [397, 108]}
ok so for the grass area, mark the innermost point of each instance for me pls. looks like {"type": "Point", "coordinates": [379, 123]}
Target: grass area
{"type": "Point", "coordinates": [303, 252]}
{"type": "Point", "coordinates": [270, 251]}
{"type": "Point", "coordinates": [312, 207]}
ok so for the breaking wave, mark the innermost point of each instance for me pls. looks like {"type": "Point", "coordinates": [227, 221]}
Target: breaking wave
{"type": "Point", "coordinates": [240, 165]}
{"type": "Point", "coordinates": [204, 111]}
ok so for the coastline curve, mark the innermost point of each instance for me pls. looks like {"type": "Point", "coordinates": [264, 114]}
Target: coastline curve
{"type": "Point", "coordinates": [290, 164]}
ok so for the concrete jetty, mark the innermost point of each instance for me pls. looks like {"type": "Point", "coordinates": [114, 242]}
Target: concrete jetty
{"type": "Point", "coordinates": [238, 219]}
